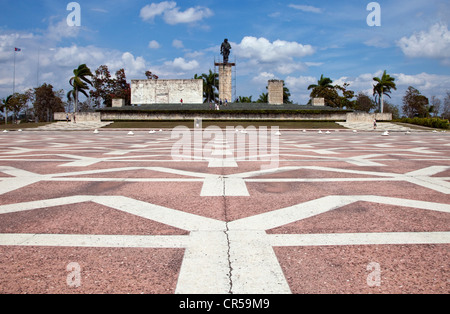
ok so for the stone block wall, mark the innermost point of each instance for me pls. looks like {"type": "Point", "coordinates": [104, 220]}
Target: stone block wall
{"type": "Point", "coordinates": [363, 117]}
{"type": "Point", "coordinates": [80, 116]}
{"type": "Point", "coordinates": [148, 92]}
{"type": "Point", "coordinates": [275, 90]}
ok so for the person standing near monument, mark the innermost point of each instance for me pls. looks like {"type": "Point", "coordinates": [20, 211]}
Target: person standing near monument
{"type": "Point", "coordinates": [225, 50]}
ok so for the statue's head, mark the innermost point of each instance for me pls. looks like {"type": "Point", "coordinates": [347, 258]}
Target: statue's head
{"type": "Point", "coordinates": [226, 40]}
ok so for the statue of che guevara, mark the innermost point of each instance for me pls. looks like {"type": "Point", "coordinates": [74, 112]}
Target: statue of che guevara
{"type": "Point", "coordinates": [225, 50]}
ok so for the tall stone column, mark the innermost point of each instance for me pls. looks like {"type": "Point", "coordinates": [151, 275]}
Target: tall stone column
{"type": "Point", "coordinates": [225, 81]}
{"type": "Point", "coordinates": [275, 88]}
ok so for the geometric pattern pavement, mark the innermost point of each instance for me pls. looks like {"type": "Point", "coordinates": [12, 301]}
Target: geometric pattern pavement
{"type": "Point", "coordinates": [310, 216]}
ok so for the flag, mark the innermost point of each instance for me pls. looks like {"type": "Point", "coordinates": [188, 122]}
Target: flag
{"type": "Point", "coordinates": [17, 49]}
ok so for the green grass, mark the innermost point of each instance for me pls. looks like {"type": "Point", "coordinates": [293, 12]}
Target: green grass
{"type": "Point", "coordinates": [223, 124]}
{"type": "Point", "coordinates": [23, 126]}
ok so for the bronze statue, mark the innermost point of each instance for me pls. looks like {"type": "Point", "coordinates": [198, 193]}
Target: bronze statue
{"type": "Point", "coordinates": [225, 50]}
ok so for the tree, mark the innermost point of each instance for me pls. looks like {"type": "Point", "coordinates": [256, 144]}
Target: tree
{"type": "Point", "coordinates": [384, 86]}
{"type": "Point", "coordinates": [263, 98]}
{"type": "Point", "coordinates": [16, 103]}
{"type": "Point", "coordinates": [120, 87]}
{"type": "Point", "coordinates": [210, 86]}
{"type": "Point", "coordinates": [286, 95]}
{"type": "Point", "coordinates": [46, 101]}
{"type": "Point", "coordinates": [415, 104]}
{"type": "Point", "coordinates": [446, 109]}
{"type": "Point", "coordinates": [323, 89]}
{"type": "Point", "coordinates": [106, 88]}
{"type": "Point", "coordinates": [245, 99]}
{"type": "Point", "coordinates": [435, 106]}
{"type": "Point", "coordinates": [390, 108]}
{"type": "Point", "coordinates": [324, 82]}
{"type": "Point", "coordinates": [151, 76]}
{"type": "Point", "coordinates": [101, 81]}
{"type": "Point", "coordinates": [364, 103]}
{"type": "Point", "coordinates": [4, 107]}
{"type": "Point", "coordinates": [79, 82]}
{"type": "Point", "coordinates": [347, 95]}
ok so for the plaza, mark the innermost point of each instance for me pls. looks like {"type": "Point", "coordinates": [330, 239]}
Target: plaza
{"type": "Point", "coordinates": [341, 212]}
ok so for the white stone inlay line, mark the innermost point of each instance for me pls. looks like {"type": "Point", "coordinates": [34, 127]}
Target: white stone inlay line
{"type": "Point", "coordinates": [221, 257]}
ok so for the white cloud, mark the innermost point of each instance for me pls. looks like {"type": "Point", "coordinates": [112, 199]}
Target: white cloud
{"type": "Point", "coordinates": [279, 56]}
{"type": "Point", "coordinates": [177, 44]}
{"type": "Point", "coordinates": [298, 86]}
{"type": "Point", "coordinates": [305, 8]}
{"type": "Point", "coordinates": [263, 50]}
{"type": "Point", "coordinates": [134, 66]}
{"type": "Point", "coordinates": [429, 84]}
{"type": "Point", "coordinates": [150, 11]}
{"type": "Point", "coordinates": [153, 44]}
{"type": "Point", "coordinates": [263, 78]}
{"type": "Point", "coordinates": [61, 30]}
{"type": "Point", "coordinates": [434, 43]}
{"type": "Point", "coordinates": [174, 15]}
{"type": "Point", "coordinates": [191, 15]}
{"type": "Point", "coordinates": [377, 42]}
{"type": "Point", "coordinates": [182, 64]}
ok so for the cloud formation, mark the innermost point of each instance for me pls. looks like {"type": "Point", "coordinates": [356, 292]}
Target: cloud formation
{"type": "Point", "coordinates": [434, 43]}
{"type": "Point", "coordinates": [306, 8]}
{"type": "Point", "coordinates": [172, 14]}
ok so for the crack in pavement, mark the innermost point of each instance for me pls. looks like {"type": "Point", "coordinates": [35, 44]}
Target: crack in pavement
{"type": "Point", "coordinates": [227, 235]}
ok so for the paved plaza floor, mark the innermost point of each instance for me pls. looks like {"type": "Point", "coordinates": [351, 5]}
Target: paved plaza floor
{"type": "Point", "coordinates": [296, 212]}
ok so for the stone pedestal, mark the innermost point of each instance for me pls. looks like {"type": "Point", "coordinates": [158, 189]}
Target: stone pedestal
{"type": "Point", "coordinates": [275, 88]}
{"type": "Point", "coordinates": [225, 81]}
{"type": "Point", "coordinates": [318, 102]}
{"type": "Point", "coordinates": [118, 103]}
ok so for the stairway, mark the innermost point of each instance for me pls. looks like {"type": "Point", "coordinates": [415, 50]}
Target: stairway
{"type": "Point", "coordinates": [70, 126]}
{"type": "Point", "coordinates": [381, 126]}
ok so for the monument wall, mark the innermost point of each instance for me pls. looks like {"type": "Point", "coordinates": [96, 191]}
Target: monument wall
{"type": "Point", "coordinates": [148, 92]}
{"type": "Point", "coordinates": [276, 92]}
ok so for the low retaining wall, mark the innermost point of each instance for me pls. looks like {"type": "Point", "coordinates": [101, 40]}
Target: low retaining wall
{"type": "Point", "coordinates": [80, 117]}
{"type": "Point", "coordinates": [114, 116]}
{"type": "Point", "coordinates": [363, 117]}
{"type": "Point", "coordinates": [224, 115]}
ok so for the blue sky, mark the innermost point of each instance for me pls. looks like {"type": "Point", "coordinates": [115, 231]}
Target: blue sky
{"type": "Point", "coordinates": [295, 41]}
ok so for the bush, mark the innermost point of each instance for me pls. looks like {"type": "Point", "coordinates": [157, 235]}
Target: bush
{"type": "Point", "coordinates": [428, 122]}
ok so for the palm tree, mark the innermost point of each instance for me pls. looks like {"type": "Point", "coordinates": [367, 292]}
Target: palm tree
{"type": "Point", "coordinates": [4, 106]}
{"type": "Point", "coordinates": [210, 85]}
{"type": "Point", "coordinates": [324, 89]}
{"type": "Point", "coordinates": [79, 82]}
{"type": "Point", "coordinates": [324, 82]}
{"type": "Point", "coordinates": [263, 98]}
{"type": "Point", "coordinates": [383, 87]}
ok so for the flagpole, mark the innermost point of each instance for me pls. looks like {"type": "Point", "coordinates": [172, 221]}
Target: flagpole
{"type": "Point", "coordinates": [14, 80]}
{"type": "Point", "coordinates": [14, 87]}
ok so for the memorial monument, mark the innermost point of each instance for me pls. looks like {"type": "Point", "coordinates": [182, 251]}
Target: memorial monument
{"type": "Point", "coordinates": [148, 92]}
{"type": "Point", "coordinates": [225, 73]}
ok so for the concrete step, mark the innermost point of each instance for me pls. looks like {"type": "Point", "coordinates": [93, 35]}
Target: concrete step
{"type": "Point", "coordinates": [381, 126]}
{"type": "Point", "coordinates": [70, 126]}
